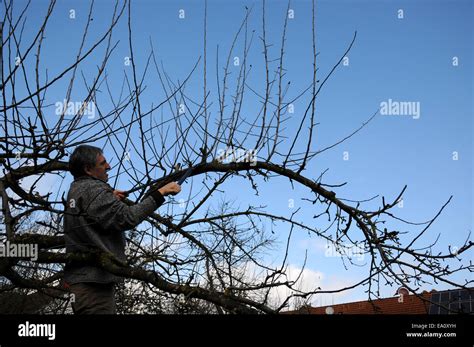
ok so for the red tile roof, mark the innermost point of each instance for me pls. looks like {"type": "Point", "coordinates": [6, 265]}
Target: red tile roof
{"type": "Point", "coordinates": [405, 304]}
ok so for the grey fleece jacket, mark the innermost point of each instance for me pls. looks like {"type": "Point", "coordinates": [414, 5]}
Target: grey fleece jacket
{"type": "Point", "coordinates": [95, 219]}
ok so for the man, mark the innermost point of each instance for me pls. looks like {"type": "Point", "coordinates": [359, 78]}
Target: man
{"type": "Point", "coordinates": [96, 219]}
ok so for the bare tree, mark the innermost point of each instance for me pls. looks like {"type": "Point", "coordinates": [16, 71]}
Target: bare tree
{"type": "Point", "coordinates": [193, 257]}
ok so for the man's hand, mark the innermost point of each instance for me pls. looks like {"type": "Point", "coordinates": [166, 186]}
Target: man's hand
{"type": "Point", "coordinates": [120, 194]}
{"type": "Point", "coordinates": [172, 188]}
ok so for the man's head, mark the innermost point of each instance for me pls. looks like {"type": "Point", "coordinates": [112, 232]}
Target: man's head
{"type": "Point", "coordinates": [90, 161]}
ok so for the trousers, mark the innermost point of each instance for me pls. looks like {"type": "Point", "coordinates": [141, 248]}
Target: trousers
{"type": "Point", "coordinates": [93, 298]}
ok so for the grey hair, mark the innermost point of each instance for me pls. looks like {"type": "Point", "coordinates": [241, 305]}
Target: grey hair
{"type": "Point", "coordinates": [84, 156]}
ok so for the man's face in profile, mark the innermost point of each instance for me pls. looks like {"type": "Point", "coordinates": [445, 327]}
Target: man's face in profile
{"type": "Point", "coordinates": [100, 169]}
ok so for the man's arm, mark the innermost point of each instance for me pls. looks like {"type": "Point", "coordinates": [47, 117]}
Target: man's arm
{"type": "Point", "coordinates": [112, 214]}
{"type": "Point", "coordinates": [108, 211]}
{"type": "Point", "coordinates": [155, 191]}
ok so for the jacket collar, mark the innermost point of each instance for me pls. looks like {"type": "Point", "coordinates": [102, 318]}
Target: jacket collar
{"type": "Point", "coordinates": [87, 177]}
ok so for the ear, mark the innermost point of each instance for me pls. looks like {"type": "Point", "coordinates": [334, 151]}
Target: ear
{"type": "Point", "coordinates": [87, 170]}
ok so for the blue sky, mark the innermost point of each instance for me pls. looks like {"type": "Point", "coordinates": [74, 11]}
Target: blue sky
{"type": "Point", "coordinates": [407, 59]}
